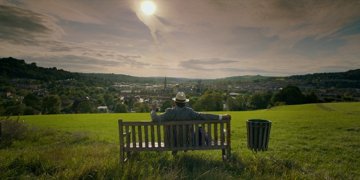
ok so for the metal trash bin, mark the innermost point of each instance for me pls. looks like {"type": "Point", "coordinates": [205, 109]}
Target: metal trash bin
{"type": "Point", "coordinates": [258, 134]}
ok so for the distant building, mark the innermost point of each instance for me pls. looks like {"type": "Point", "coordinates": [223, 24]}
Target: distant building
{"type": "Point", "coordinates": [103, 109]}
{"type": "Point", "coordinates": [234, 94]}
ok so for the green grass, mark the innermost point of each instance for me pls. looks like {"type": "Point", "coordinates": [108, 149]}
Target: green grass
{"type": "Point", "coordinates": [314, 141]}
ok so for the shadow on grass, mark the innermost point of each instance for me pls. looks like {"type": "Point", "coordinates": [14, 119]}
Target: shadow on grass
{"type": "Point", "coordinates": [182, 166]}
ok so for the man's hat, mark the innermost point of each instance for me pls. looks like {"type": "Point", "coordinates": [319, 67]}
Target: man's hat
{"type": "Point", "coordinates": [180, 98]}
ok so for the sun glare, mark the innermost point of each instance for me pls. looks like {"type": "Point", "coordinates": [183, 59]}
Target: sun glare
{"type": "Point", "coordinates": [148, 7]}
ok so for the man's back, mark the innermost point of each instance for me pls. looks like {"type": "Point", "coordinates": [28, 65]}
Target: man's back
{"type": "Point", "coordinates": [182, 114]}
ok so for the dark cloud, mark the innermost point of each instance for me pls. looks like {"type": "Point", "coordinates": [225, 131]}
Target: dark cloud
{"type": "Point", "coordinates": [249, 71]}
{"type": "Point", "coordinates": [210, 61]}
{"type": "Point", "coordinates": [86, 64]}
{"type": "Point", "coordinates": [201, 64]}
{"type": "Point", "coordinates": [164, 21]}
{"type": "Point", "coordinates": [60, 48]}
{"type": "Point", "coordinates": [318, 46]}
{"type": "Point", "coordinates": [314, 47]}
{"type": "Point", "coordinates": [21, 26]}
{"type": "Point", "coordinates": [305, 9]}
{"type": "Point", "coordinates": [249, 41]}
{"type": "Point", "coordinates": [351, 28]}
{"type": "Point", "coordinates": [213, 65]}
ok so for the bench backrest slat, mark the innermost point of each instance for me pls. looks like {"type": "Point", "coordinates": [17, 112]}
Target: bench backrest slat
{"type": "Point", "coordinates": [158, 135]}
{"type": "Point", "coordinates": [228, 134]}
{"type": "Point", "coordinates": [140, 136]}
{"type": "Point", "coordinates": [216, 134]}
{"type": "Point", "coordinates": [152, 135]}
{"type": "Point", "coordinates": [196, 135]}
{"type": "Point", "coordinates": [146, 136]}
{"type": "Point", "coordinates": [222, 135]}
{"type": "Point", "coordinates": [209, 130]}
{"type": "Point", "coordinates": [133, 134]}
{"type": "Point", "coordinates": [127, 136]}
{"type": "Point", "coordinates": [203, 135]}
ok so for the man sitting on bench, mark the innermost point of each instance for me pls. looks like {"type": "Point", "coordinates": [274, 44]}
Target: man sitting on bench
{"type": "Point", "coordinates": [180, 112]}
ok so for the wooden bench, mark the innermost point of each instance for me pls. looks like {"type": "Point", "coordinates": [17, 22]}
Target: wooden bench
{"type": "Point", "coordinates": [174, 136]}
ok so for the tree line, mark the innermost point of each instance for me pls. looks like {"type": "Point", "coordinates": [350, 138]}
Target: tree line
{"type": "Point", "coordinates": [211, 100]}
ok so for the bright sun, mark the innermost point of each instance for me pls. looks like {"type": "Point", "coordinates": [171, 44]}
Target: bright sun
{"type": "Point", "coordinates": [148, 7]}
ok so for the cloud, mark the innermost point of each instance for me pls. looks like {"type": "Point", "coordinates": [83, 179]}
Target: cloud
{"type": "Point", "coordinates": [223, 67]}
{"type": "Point", "coordinates": [323, 46]}
{"type": "Point", "coordinates": [203, 64]}
{"type": "Point", "coordinates": [352, 28]}
{"type": "Point", "coordinates": [314, 47]}
{"type": "Point", "coordinates": [22, 26]}
{"type": "Point", "coordinates": [86, 64]}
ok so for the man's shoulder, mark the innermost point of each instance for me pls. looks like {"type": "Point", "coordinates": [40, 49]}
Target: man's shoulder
{"type": "Point", "coordinates": [189, 108]}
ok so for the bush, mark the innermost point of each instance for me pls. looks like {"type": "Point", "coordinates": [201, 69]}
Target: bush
{"type": "Point", "coordinates": [15, 110]}
{"type": "Point", "coordinates": [11, 130]}
{"type": "Point", "coordinates": [30, 111]}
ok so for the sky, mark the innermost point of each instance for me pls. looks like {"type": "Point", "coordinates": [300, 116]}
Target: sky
{"type": "Point", "coordinates": [184, 38]}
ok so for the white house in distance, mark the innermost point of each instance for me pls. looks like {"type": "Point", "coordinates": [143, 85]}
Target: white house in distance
{"type": "Point", "coordinates": [102, 109]}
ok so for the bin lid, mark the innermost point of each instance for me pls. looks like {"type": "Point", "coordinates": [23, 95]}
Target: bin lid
{"type": "Point", "coordinates": [258, 121]}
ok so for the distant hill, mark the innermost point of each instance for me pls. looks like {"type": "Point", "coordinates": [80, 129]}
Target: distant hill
{"type": "Point", "coordinates": [14, 68]}
{"type": "Point", "coordinates": [349, 75]}
{"type": "Point", "coordinates": [249, 78]}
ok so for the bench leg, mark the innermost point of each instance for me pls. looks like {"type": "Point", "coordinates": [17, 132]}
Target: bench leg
{"type": "Point", "coordinates": [226, 153]}
{"type": "Point", "coordinates": [122, 158]}
{"type": "Point", "coordinates": [223, 155]}
{"type": "Point", "coordinates": [128, 154]}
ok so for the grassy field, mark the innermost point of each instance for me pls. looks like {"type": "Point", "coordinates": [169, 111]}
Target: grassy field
{"type": "Point", "coordinates": [314, 141]}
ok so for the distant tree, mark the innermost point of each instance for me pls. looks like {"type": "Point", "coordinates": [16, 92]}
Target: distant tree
{"type": "Point", "coordinates": [33, 101]}
{"type": "Point", "coordinates": [51, 104]}
{"type": "Point", "coordinates": [100, 99]}
{"type": "Point", "coordinates": [2, 110]}
{"type": "Point", "coordinates": [66, 103]}
{"type": "Point", "coordinates": [165, 105]}
{"type": "Point", "coordinates": [232, 104]}
{"type": "Point", "coordinates": [289, 95]}
{"type": "Point", "coordinates": [86, 106]}
{"type": "Point", "coordinates": [311, 98]}
{"type": "Point", "coordinates": [210, 101]}
{"type": "Point", "coordinates": [109, 100]}
{"type": "Point", "coordinates": [30, 111]}
{"type": "Point", "coordinates": [260, 100]}
{"type": "Point", "coordinates": [9, 89]}
{"type": "Point", "coordinates": [141, 107]}
{"type": "Point", "coordinates": [120, 108]}
{"type": "Point", "coordinates": [130, 101]}
{"type": "Point", "coordinates": [15, 110]}
{"type": "Point", "coordinates": [75, 105]}
{"type": "Point", "coordinates": [241, 102]}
